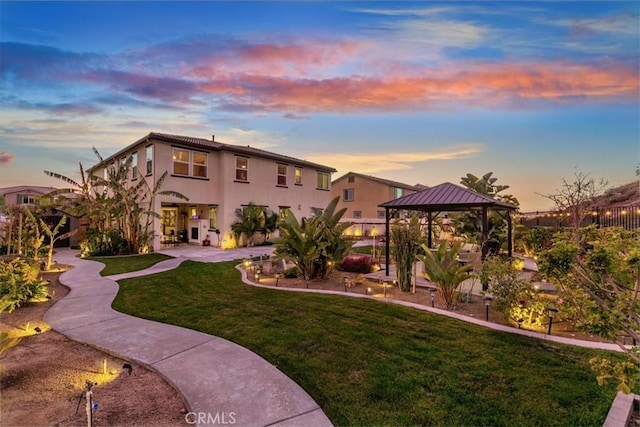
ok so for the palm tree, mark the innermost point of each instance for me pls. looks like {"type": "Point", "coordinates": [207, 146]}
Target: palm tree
{"type": "Point", "coordinates": [314, 245]}
{"type": "Point", "coordinates": [250, 220]}
{"type": "Point", "coordinates": [443, 270]}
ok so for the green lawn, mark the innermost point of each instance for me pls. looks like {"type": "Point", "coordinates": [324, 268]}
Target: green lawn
{"type": "Point", "coordinates": [126, 264]}
{"type": "Point", "coordinates": [370, 363]}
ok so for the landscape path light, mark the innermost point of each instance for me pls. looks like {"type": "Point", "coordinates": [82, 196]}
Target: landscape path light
{"type": "Point", "coordinates": [278, 274]}
{"type": "Point", "coordinates": [551, 312]}
{"type": "Point", "coordinates": [432, 292]}
{"type": "Point", "coordinates": [487, 304]}
{"type": "Point", "coordinates": [345, 281]}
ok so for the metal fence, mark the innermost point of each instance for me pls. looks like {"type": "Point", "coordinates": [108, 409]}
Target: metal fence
{"type": "Point", "coordinates": [627, 217]}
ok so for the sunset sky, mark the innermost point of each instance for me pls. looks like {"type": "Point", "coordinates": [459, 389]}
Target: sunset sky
{"type": "Point", "coordinates": [418, 92]}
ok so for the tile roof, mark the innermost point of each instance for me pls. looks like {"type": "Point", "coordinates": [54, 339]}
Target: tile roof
{"type": "Point", "coordinates": [219, 146]}
{"type": "Point", "coordinates": [382, 180]}
{"type": "Point", "coordinates": [446, 196]}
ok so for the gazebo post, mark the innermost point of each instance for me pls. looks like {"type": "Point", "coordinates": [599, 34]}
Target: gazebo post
{"type": "Point", "coordinates": [509, 235]}
{"type": "Point", "coordinates": [386, 240]}
{"type": "Point", "coordinates": [485, 224]}
{"type": "Point", "coordinates": [429, 229]}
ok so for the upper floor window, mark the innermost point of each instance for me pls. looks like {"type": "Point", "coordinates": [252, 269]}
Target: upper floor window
{"type": "Point", "coordinates": [323, 181]}
{"type": "Point", "coordinates": [298, 175]}
{"type": "Point", "coordinates": [242, 169]}
{"type": "Point", "coordinates": [134, 165]}
{"type": "Point", "coordinates": [381, 215]}
{"type": "Point", "coordinates": [357, 214]}
{"type": "Point", "coordinates": [26, 199]}
{"type": "Point", "coordinates": [282, 175]}
{"type": "Point", "coordinates": [398, 192]}
{"type": "Point", "coordinates": [149, 155]}
{"type": "Point", "coordinates": [199, 166]}
{"type": "Point", "coordinates": [347, 194]}
{"type": "Point", "coordinates": [351, 178]}
{"type": "Point", "coordinates": [180, 161]}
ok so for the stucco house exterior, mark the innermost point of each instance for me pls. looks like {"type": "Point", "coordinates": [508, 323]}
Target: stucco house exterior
{"type": "Point", "coordinates": [28, 196]}
{"type": "Point", "coordinates": [218, 178]}
{"type": "Point", "coordinates": [361, 194]}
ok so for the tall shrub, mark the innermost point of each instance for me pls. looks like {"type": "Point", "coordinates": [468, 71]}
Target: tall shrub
{"type": "Point", "coordinates": [406, 238]}
{"type": "Point", "coordinates": [19, 283]}
{"type": "Point", "coordinates": [443, 269]}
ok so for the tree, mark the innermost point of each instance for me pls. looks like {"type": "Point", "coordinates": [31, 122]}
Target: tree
{"type": "Point", "coordinates": [250, 219]}
{"type": "Point", "coordinates": [314, 245]}
{"type": "Point", "coordinates": [469, 223]}
{"type": "Point", "coordinates": [601, 291]}
{"type": "Point", "coordinates": [443, 269]}
{"type": "Point", "coordinates": [114, 205]}
{"type": "Point", "coordinates": [406, 238]}
{"type": "Point", "coordinates": [576, 196]}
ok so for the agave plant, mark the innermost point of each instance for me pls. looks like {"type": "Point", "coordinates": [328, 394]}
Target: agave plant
{"type": "Point", "coordinates": [443, 270]}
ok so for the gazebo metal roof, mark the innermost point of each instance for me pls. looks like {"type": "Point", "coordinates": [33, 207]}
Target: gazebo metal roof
{"type": "Point", "coordinates": [446, 197]}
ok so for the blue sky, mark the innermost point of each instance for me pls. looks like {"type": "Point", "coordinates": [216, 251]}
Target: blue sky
{"type": "Point", "coordinates": [419, 92]}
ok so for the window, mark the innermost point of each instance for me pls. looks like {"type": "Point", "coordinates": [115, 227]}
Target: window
{"type": "Point", "coordinates": [398, 192]}
{"type": "Point", "coordinates": [347, 194]}
{"type": "Point", "coordinates": [381, 215]}
{"type": "Point", "coordinates": [298, 174]}
{"type": "Point", "coordinates": [357, 214]}
{"type": "Point", "coordinates": [134, 165]}
{"type": "Point", "coordinates": [323, 181]}
{"type": "Point", "coordinates": [149, 155]}
{"type": "Point", "coordinates": [199, 164]}
{"type": "Point", "coordinates": [351, 178]}
{"type": "Point", "coordinates": [213, 217]}
{"type": "Point", "coordinates": [242, 166]}
{"type": "Point", "coordinates": [282, 214]}
{"type": "Point", "coordinates": [282, 175]}
{"type": "Point", "coordinates": [180, 162]}
{"type": "Point", "coordinates": [26, 199]}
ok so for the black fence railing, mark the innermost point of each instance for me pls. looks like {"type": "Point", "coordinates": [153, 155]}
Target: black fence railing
{"type": "Point", "coordinates": [627, 217]}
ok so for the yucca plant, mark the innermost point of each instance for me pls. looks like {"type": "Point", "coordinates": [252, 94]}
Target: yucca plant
{"type": "Point", "coordinates": [443, 270]}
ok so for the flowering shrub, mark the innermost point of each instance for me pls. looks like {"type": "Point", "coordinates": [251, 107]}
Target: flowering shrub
{"type": "Point", "coordinates": [359, 264]}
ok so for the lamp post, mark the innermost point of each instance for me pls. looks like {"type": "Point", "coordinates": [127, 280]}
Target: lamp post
{"type": "Point", "coordinates": [487, 304]}
{"type": "Point", "coordinates": [432, 292]}
{"type": "Point", "coordinates": [551, 312]}
{"type": "Point", "coordinates": [278, 274]}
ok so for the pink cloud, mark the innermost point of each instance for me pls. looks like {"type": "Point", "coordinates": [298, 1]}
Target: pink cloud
{"type": "Point", "coordinates": [6, 158]}
{"type": "Point", "coordinates": [481, 85]}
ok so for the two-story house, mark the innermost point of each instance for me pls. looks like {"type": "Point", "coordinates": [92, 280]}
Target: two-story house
{"type": "Point", "coordinates": [219, 178]}
{"type": "Point", "coordinates": [29, 196]}
{"type": "Point", "coordinates": [361, 195]}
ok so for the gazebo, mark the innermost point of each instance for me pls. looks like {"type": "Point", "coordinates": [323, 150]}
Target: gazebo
{"type": "Point", "coordinates": [448, 197]}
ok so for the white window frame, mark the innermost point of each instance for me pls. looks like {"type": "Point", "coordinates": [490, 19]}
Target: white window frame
{"type": "Point", "coordinates": [281, 178]}
{"type": "Point", "coordinates": [149, 159]}
{"type": "Point", "coordinates": [322, 181]}
{"type": "Point", "coordinates": [240, 168]}
{"type": "Point", "coordinates": [348, 195]}
{"type": "Point", "coordinates": [298, 175]}
{"type": "Point", "coordinates": [397, 190]}
{"type": "Point", "coordinates": [175, 160]}
{"type": "Point", "coordinates": [134, 165]}
{"type": "Point", "coordinates": [195, 164]}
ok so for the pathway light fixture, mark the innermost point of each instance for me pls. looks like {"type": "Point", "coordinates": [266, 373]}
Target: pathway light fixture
{"type": "Point", "coordinates": [551, 312]}
{"type": "Point", "coordinates": [487, 304]}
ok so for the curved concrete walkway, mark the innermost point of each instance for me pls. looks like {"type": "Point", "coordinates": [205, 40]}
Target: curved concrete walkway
{"type": "Point", "coordinates": [218, 379]}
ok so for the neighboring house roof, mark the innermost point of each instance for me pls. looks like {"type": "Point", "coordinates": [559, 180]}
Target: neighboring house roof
{"type": "Point", "coordinates": [381, 180]}
{"type": "Point", "coordinates": [219, 146]}
{"type": "Point", "coordinates": [27, 188]}
{"type": "Point", "coordinates": [445, 197]}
